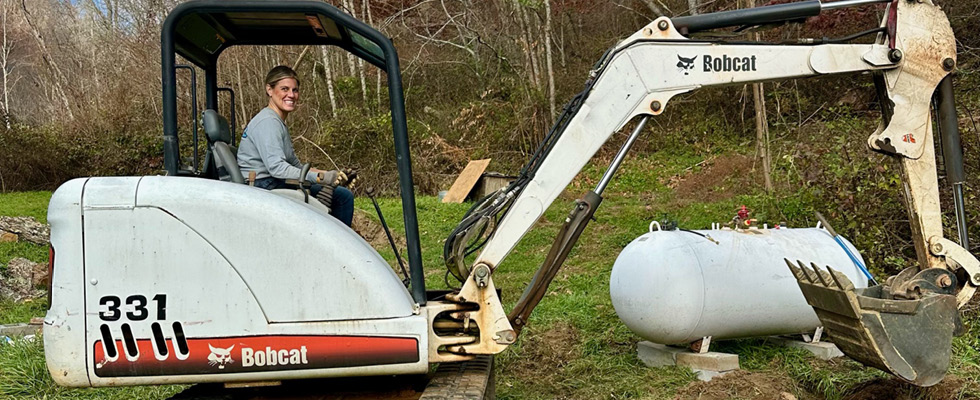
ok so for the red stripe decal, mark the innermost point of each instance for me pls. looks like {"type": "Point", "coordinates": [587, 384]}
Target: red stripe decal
{"type": "Point", "coordinates": [257, 353]}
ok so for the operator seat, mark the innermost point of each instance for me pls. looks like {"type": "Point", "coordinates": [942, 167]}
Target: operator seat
{"type": "Point", "coordinates": [226, 160]}
{"type": "Point", "coordinates": [224, 155]}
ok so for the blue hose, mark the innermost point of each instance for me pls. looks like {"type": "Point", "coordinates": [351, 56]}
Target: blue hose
{"type": "Point", "coordinates": [855, 260]}
{"type": "Point", "coordinates": [847, 250]}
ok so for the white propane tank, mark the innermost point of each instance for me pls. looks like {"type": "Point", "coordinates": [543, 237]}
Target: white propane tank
{"type": "Point", "coordinates": [674, 287]}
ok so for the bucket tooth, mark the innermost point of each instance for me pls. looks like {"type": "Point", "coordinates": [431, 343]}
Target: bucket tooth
{"type": "Point", "coordinates": [824, 276]}
{"type": "Point", "coordinates": [909, 338]}
{"type": "Point", "coordinates": [841, 280]}
{"type": "Point", "coordinates": [809, 273]}
{"type": "Point", "coordinates": [794, 269]}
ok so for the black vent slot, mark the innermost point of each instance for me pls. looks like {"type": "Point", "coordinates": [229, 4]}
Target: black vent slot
{"type": "Point", "coordinates": [130, 341]}
{"type": "Point", "coordinates": [158, 340]}
{"type": "Point", "coordinates": [108, 344]}
{"type": "Point", "coordinates": [180, 339]}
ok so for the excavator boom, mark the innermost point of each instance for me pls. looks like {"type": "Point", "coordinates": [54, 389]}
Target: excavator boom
{"type": "Point", "coordinates": [913, 52]}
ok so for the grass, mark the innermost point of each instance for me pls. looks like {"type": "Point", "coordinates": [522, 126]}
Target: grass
{"type": "Point", "coordinates": [23, 375]}
{"type": "Point", "coordinates": [11, 312]}
{"type": "Point", "coordinates": [574, 346]}
{"type": "Point", "coordinates": [25, 204]}
{"type": "Point", "coordinates": [32, 204]}
{"type": "Point", "coordinates": [30, 251]}
{"type": "Point", "coordinates": [14, 313]}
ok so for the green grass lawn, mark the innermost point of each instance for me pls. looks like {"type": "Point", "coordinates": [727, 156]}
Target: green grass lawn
{"type": "Point", "coordinates": [574, 346]}
{"type": "Point", "coordinates": [25, 204]}
{"type": "Point", "coordinates": [28, 204]}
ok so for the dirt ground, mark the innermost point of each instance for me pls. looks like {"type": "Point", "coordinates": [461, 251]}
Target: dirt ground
{"type": "Point", "coordinates": [775, 386]}
{"type": "Point", "coordinates": [894, 389]}
{"type": "Point", "coordinates": [717, 178]}
{"type": "Point", "coordinates": [545, 354]}
{"type": "Point", "coordinates": [372, 231]}
{"type": "Point", "coordinates": [745, 385]}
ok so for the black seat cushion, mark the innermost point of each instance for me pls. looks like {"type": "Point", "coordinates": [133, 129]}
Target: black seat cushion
{"type": "Point", "coordinates": [227, 163]}
{"type": "Point", "coordinates": [221, 152]}
{"type": "Point", "coordinates": [216, 127]}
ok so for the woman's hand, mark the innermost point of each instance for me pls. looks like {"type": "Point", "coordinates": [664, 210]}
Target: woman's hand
{"type": "Point", "coordinates": [332, 178]}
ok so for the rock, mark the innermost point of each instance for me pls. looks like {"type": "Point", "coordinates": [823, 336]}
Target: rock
{"type": "Point", "coordinates": [26, 229]}
{"type": "Point", "coordinates": [18, 331]}
{"type": "Point", "coordinates": [8, 237]}
{"type": "Point", "coordinates": [22, 278]}
{"type": "Point", "coordinates": [786, 396]}
{"type": "Point", "coordinates": [39, 274]}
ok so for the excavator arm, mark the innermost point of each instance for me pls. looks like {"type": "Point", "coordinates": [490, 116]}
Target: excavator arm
{"type": "Point", "coordinates": [914, 52]}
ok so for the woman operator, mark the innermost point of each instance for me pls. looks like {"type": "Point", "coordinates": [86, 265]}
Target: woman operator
{"type": "Point", "coordinates": [267, 149]}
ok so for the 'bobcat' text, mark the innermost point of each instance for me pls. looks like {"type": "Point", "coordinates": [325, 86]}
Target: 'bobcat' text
{"type": "Point", "coordinates": [271, 356]}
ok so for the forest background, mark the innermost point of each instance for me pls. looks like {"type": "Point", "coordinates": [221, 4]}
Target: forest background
{"type": "Point", "coordinates": [483, 79]}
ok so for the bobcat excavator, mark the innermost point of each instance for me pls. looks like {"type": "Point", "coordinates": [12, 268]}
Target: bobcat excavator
{"type": "Point", "coordinates": [176, 279]}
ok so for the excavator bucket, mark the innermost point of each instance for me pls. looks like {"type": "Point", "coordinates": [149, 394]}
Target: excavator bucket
{"type": "Point", "coordinates": [910, 339]}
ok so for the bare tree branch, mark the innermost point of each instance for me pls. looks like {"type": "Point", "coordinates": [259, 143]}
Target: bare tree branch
{"type": "Point", "coordinates": [59, 77]}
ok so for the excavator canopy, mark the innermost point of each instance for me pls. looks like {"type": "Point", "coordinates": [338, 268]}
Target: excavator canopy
{"type": "Point", "coordinates": [209, 27]}
{"type": "Point", "coordinates": [200, 30]}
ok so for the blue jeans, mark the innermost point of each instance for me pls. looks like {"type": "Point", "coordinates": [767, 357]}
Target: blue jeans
{"type": "Point", "coordinates": [342, 206]}
{"type": "Point", "coordinates": [343, 203]}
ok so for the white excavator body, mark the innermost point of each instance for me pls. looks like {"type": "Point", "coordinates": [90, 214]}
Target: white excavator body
{"type": "Point", "coordinates": [174, 280]}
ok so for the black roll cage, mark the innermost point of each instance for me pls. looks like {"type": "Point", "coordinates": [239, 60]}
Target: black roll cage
{"type": "Point", "coordinates": [268, 23]}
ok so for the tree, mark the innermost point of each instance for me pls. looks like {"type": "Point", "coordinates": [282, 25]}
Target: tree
{"type": "Point", "coordinates": [761, 121]}
{"type": "Point", "coordinates": [547, 46]}
{"type": "Point", "coordinates": [656, 6]}
{"type": "Point", "coordinates": [328, 75]}
{"type": "Point", "coordinates": [48, 59]}
{"type": "Point", "coordinates": [692, 6]}
{"type": "Point", "coordinates": [7, 65]}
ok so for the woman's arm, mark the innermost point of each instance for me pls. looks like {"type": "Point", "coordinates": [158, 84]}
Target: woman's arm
{"type": "Point", "coordinates": [267, 137]}
{"type": "Point", "coordinates": [294, 161]}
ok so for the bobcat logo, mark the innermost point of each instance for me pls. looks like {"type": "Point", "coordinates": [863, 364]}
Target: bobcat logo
{"type": "Point", "coordinates": [220, 357]}
{"type": "Point", "coordinates": [685, 64]}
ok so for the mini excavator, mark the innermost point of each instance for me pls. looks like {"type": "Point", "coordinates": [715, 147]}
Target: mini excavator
{"type": "Point", "coordinates": [170, 279]}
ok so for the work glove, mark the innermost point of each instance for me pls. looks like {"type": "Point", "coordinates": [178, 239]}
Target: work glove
{"type": "Point", "coordinates": [313, 176]}
{"type": "Point", "coordinates": [351, 180]}
{"type": "Point", "coordinates": [330, 178]}
{"type": "Point", "coordinates": [325, 196]}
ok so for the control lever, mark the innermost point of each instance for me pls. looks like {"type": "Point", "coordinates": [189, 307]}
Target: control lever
{"type": "Point", "coordinates": [391, 240]}
{"type": "Point", "coordinates": [303, 183]}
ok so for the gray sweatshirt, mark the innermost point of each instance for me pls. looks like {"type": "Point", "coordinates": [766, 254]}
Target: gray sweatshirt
{"type": "Point", "coordinates": [267, 149]}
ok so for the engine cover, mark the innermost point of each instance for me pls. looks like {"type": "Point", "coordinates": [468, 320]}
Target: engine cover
{"type": "Point", "coordinates": [171, 280]}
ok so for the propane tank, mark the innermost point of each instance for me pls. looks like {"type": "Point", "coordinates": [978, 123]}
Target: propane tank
{"type": "Point", "coordinates": [674, 287]}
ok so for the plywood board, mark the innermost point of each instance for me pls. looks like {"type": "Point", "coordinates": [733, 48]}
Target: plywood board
{"type": "Point", "coordinates": [465, 181]}
{"type": "Point", "coordinates": [491, 182]}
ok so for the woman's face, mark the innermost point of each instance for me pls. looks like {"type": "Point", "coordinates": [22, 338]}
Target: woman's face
{"type": "Point", "coordinates": [284, 94]}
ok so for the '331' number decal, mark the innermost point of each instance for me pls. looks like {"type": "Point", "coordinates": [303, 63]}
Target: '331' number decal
{"type": "Point", "coordinates": [111, 307]}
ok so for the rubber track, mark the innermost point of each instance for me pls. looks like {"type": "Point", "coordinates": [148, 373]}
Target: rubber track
{"type": "Point", "coordinates": [470, 380]}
